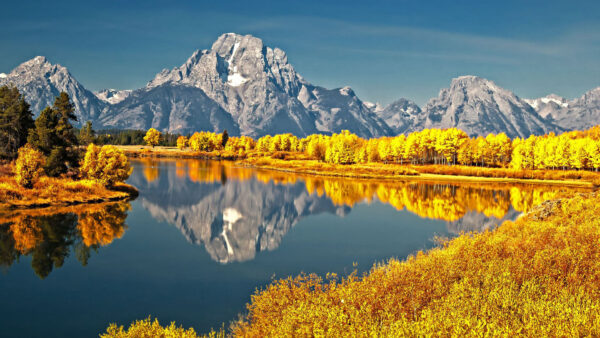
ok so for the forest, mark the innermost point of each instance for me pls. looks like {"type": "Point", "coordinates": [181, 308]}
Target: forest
{"type": "Point", "coordinates": [46, 162]}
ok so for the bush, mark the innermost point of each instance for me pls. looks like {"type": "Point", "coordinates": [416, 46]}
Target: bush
{"type": "Point", "coordinates": [107, 165]}
{"type": "Point", "coordinates": [537, 276]}
{"type": "Point", "coordinates": [148, 328]}
{"type": "Point", "coordinates": [29, 166]}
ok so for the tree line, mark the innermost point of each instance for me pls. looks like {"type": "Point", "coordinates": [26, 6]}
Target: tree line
{"type": "Point", "coordinates": [579, 150]}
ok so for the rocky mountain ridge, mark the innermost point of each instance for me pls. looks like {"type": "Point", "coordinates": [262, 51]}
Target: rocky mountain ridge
{"type": "Point", "coordinates": [248, 88]}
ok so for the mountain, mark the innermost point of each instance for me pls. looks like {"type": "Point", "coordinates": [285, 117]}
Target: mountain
{"type": "Point", "coordinates": [265, 95]}
{"type": "Point", "coordinates": [169, 107]}
{"type": "Point", "coordinates": [248, 88]}
{"type": "Point", "coordinates": [400, 115]}
{"type": "Point", "coordinates": [40, 82]}
{"type": "Point", "coordinates": [578, 114]}
{"type": "Point", "coordinates": [479, 106]}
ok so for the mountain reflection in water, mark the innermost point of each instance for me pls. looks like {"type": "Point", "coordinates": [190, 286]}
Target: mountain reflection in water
{"type": "Point", "coordinates": [50, 235]}
{"type": "Point", "coordinates": [236, 212]}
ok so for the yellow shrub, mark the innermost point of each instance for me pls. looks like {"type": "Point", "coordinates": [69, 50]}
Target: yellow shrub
{"type": "Point", "coordinates": [149, 329]}
{"type": "Point", "coordinates": [107, 165]}
{"type": "Point", "coordinates": [29, 166]}
{"type": "Point", "coordinates": [537, 276]}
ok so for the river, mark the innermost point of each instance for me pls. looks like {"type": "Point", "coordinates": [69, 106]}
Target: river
{"type": "Point", "coordinates": [203, 235]}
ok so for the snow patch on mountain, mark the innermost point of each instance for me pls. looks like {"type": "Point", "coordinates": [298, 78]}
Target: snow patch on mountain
{"type": "Point", "coordinates": [112, 96]}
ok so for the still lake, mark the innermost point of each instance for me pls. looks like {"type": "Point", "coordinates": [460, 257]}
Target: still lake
{"type": "Point", "coordinates": [203, 235]}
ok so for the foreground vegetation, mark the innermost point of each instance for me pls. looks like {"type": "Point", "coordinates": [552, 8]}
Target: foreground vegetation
{"type": "Point", "coordinates": [537, 276]}
{"type": "Point", "coordinates": [41, 162]}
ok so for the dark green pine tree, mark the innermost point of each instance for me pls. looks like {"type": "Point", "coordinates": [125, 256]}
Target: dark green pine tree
{"type": "Point", "coordinates": [15, 121]}
{"type": "Point", "coordinates": [55, 137]}
{"type": "Point", "coordinates": [66, 113]}
{"type": "Point", "coordinates": [43, 136]}
{"type": "Point", "coordinates": [87, 134]}
{"type": "Point", "coordinates": [224, 138]}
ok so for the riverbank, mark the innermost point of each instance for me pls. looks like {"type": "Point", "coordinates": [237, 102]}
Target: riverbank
{"type": "Point", "coordinates": [56, 192]}
{"type": "Point", "coordinates": [299, 163]}
{"type": "Point", "coordinates": [536, 276]}
{"type": "Point", "coordinates": [420, 173]}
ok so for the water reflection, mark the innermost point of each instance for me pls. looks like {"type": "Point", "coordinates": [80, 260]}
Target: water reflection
{"type": "Point", "coordinates": [50, 235]}
{"type": "Point", "coordinates": [236, 212]}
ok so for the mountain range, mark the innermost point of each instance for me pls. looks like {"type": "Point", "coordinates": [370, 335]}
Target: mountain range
{"type": "Point", "coordinates": [248, 88]}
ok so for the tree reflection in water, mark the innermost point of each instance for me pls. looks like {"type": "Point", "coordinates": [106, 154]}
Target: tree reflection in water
{"type": "Point", "coordinates": [50, 235]}
{"type": "Point", "coordinates": [199, 196]}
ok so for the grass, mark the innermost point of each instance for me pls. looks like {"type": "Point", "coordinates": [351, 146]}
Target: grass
{"type": "Point", "coordinates": [537, 276]}
{"type": "Point", "coordinates": [58, 192]}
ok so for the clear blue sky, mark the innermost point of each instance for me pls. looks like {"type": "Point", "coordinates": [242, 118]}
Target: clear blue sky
{"type": "Point", "coordinates": [383, 49]}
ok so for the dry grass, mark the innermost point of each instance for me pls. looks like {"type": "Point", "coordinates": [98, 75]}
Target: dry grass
{"type": "Point", "coordinates": [313, 167]}
{"type": "Point", "coordinates": [557, 175]}
{"type": "Point", "coordinates": [537, 276]}
{"type": "Point", "coordinates": [59, 191]}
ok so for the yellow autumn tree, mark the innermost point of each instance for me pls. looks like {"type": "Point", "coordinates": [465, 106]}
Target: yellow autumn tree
{"type": "Point", "coordinates": [107, 165]}
{"type": "Point", "coordinates": [152, 137]}
{"type": "Point", "coordinates": [182, 142]}
{"type": "Point", "coordinates": [29, 166]}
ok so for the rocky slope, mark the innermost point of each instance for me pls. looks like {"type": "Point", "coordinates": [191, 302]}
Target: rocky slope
{"type": "Point", "coordinates": [479, 106]}
{"type": "Point", "coordinates": [400, 115]}
{"type": "Point", "coordinates": [248, 88]}
{"type": "Point", "coordinates": [40, 82]}
{"type": "Point", "coordinates": [577, 114]}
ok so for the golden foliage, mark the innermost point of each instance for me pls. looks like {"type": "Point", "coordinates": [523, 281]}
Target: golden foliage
{"type": "Point", "coordinates": [107, 165]}
{"type": "Point", "coordinates": [26, 233]}
{"type": "Point", "coordinates": [100, 226]}
{"type": "Point", "coordinates": [536, 277]}
{"type": "Point", "coordinates": [50, 191]}
{"type": "Point", "coordinates": [146, 328]}
{"type": "Point", "coordinates": [29, 166]}
{"type": "Point", "coordinates": [182, 142]}
{"type": "Point", "coordinates": [152, 137]}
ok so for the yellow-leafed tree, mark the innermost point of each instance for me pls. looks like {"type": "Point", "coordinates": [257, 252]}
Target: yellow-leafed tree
{"type": "Point", "coordinates": [182, 142]}
{"type": "Point", "coordinates": [152, 137]}
{"type": "Point", "coordinates": [29, 166]}
{"type": "Point", "coordinates": [107, 165]}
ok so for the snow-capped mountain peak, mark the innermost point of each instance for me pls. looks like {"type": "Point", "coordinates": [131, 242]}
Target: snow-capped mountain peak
{"type": "Point", "coordinates": [479, 106]}
{"type": "Point", "coordinates": [40, 82]}
{"type": "Point", "coordinates": [112, 96]}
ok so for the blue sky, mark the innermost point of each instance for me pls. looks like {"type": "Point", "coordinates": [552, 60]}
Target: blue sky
{"type": "Point", "coordinates": [383, 49]}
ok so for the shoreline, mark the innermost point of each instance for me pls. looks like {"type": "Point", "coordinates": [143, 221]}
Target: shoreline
{"type": "Point", "coordinates": [379, 171]}
{"type": "Point", "coordinates": [121, 192]}
{"type": "Point", "coordinates": [429, 177]}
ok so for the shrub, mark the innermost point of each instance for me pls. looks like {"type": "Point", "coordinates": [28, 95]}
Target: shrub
{"type": "Point", "coordinates": [537, 276]}
{"type": "Point", "coordinates": [29, 166]}
{"type": "Point", "coordinates": [107, 165]}
{"type": "Point", "coordinates": [148, 328]}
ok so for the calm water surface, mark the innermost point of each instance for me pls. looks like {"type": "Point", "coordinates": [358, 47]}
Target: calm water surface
{"type": "Point", "coordinates": [202, 236]}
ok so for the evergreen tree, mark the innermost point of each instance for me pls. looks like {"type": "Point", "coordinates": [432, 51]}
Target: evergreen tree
{"type": "Point", "coordinates": [224, 138]}
{"type": "Point", "coordinates": [55, 137]}
{"type": "Point", "coordinates": [86, 134]}
{"type": "Point", "coordinates": [15, 121]}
